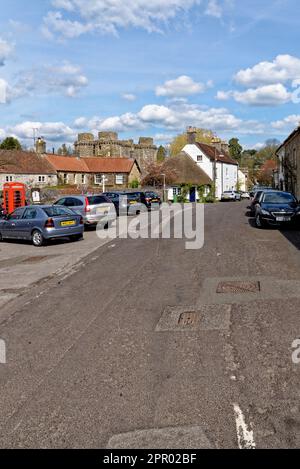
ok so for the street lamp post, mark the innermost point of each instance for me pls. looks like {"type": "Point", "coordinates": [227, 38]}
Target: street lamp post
{"type": "Point", "coordinates": [164, 190]}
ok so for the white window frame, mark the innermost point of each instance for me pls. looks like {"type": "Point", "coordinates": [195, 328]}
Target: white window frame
{"type": "Point", "coordinates": [42, 178]}
{"type": "Point", "coordinates": [98, 179]}
{"type": "Point", "coordinates": [199, 158]}
{"type": "Point", "coordinates": [65, 178]}
{"type": "Point", "coordinates": [119, 179]}
{"type": "Point", "coordinates": [83, 179]}
{"type": "Point", "coordinates": [9, 178]}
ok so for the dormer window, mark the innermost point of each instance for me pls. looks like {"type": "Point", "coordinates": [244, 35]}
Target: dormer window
{"type": "Point", "coordinates": [199, 158]}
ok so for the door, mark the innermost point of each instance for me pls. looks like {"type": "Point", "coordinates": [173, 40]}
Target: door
{"type": "Point", "coordinates": [193, 194]}
{"type": "Point", "coordinates": [11, 226]}
{"type": "Point", "coordinates": [27, 222]}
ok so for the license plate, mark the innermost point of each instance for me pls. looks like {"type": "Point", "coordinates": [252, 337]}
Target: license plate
{"type": "Point", "coordinates": [68, 223]}
{"type": "Point", "coordinates": [102, 209]}
{"type": "Point", "coordinates": [283, 218]}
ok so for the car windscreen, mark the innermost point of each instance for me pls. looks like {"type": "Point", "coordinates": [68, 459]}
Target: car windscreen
{"type": "Point", "coordinates": [97, 199]}
{"type": "Point", "coordinates": [58, 211]}
{"type": "Point", "coordinates": [132, 196]}
{"type": "Point", "coordinates": [278, 198]}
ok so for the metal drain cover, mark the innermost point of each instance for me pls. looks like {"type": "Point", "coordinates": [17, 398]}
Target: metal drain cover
{"type": "Point", "coordinates": [238, 287]}
{"type": "Point", "coordinates": [188, 319]}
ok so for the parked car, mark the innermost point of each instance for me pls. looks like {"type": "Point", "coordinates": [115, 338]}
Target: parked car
{"type": "Point", "coordinates": [255, 199]}
{"type": "Point", "coordinates": [41, 223]}
{"type": "Point", "coordinates": [126, 203]}
{"type": "Point", "coordinates": [232, 196]}
{"type": "Point", "coordinates": [94, 209]}
{"type": "Point", "coordinates": [244, 195]}
{"type": "Point", "coordinates": [276, 208]}
{"type": "Point", "coordinates": [153, 200]}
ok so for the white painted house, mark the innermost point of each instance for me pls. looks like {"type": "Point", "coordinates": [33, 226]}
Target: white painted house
{"type": "Point", "coordinates": [209, 157]}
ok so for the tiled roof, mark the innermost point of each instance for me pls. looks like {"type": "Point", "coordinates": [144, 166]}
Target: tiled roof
{"type": "Point", "coordinates": [211, 152]}
{"type": "Point", "coordinates": [186, 169]}
{"type": "Point", "coordinates": [23, 162]}
{"type": "Point", "coordinates": [90, 165]}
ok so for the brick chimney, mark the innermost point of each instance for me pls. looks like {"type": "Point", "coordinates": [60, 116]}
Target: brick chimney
{"type": "Point", "coordinates": [191, 135]}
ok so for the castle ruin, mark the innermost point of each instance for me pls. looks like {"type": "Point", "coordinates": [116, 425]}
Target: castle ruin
{"type": "Point", "coordinates": [108, 145]}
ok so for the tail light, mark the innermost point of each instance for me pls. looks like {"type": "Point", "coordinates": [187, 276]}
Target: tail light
{"type": "Point", "coordinates": [81, 221]}
{"type": "Point", "coordinates": [49, 223]}
{"type": "Point", "coordinates": [87, 206]}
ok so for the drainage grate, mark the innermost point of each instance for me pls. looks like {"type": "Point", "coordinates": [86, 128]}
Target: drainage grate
{"type": "Point", "coordinates": [188, 319]}
{"type": "Point", "coordinates": [238, 287]}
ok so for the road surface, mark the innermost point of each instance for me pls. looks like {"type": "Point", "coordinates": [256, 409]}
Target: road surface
{"type": "Point", "coordinates": [136, 348]}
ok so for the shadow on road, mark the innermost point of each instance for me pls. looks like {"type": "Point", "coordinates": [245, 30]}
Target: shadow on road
{"type": "Point", "coordinates": [292, 235]}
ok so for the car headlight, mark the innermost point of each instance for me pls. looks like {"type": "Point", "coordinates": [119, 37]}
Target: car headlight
{"type": "Point", "coordinates": [265, 212]}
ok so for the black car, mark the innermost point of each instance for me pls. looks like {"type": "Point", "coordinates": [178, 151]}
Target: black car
{"type": "Point", "coordinates": [153, 200]}
{"type": "Point", "coordinates": [276, 208]}
{"type": "Point", "coordinates": [128, 203]}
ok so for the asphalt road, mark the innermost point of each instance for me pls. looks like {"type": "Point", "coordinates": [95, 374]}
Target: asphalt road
{"type": "Point", "coordinates": [137, 349]}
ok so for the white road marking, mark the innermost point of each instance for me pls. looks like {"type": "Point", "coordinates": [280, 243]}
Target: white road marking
{"type": "Point", "coordinates": [244, 433]}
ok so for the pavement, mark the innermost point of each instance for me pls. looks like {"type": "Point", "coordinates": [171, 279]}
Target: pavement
{"type": "Point", "coordinates": [147, 344]}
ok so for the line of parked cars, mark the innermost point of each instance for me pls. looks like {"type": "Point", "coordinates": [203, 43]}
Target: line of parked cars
{"type": "Point", "coordinates": [271, 207]}
{"type": "Point", "coordinates": [69, 215]}
{"type": "Point", "coordinates": [234, 196]}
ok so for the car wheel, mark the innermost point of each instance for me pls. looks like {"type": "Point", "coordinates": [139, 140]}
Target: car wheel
{"type": "Point", "coordinates": [37, 239]}
{"type": "Point", "coordinates": [1, 239]}
{"type": "Point", "coordinates": [76, 237]}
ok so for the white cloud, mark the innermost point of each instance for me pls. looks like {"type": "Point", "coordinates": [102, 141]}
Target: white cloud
{"type": "Point", "coordinates": [214, 9]}
{"type": "Point", "coordinates": [174, 117]}
{"type": "Point", "coordinates": [287, 124]}
{"type": "Point", "coordinates": [270, 95]}
{"type": "Point", "coordinates": [129, 97]}
{"type": "Point", "coordinates": [6, 50]}
{"type": "Point", "coordinates": [284, 68]}
{"type": "Point", "coordinates": [66, 79]}
{"type": "Point", "coordinates": [3, 91]}
{"type": "Point", "coordinates": [52, 131]}
{"type": "Point", "coordinates": [181, 86]}
{"type": "Point", "coordinates": [108, 16]}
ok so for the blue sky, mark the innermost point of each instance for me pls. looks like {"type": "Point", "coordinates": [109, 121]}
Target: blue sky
{"type": "Point", "coordinates": [149, 67]}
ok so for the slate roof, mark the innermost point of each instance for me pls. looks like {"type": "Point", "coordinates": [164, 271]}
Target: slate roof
{"type": "Point", "coordinates": [210, 151]}
{"type": "Point", "coordinates": [24, 162]}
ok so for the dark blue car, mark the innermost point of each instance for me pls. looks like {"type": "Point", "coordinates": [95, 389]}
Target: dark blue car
{"type": "Point", "coordinates": [276, 208]}
{"type": "Point", "coordinates": [41, 223]}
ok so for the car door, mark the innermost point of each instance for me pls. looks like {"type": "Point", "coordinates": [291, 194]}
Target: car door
{"type": "Point", "coordinates": [28, 222]}
{"type": "Point", "coordinates": [11, 225]}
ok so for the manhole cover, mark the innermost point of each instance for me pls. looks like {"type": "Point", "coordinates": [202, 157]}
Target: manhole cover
{"type": "Point", "coordinates": [238, 287]}
{"type": "Point", "coordinates": [188, 319]}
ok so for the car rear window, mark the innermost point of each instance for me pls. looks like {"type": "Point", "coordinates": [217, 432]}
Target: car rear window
{"type": "Point", "coordinates": [97, 199]}
{"type": "Point", "coordinates": [278, 198]}
{"type": "Point", "coordinates": [58, 211]}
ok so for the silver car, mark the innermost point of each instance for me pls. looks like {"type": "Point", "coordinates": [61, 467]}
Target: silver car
{"type": "Point", "coordinates": [94, 209]}
{"type": "Point", "coordinates": [41, 223]}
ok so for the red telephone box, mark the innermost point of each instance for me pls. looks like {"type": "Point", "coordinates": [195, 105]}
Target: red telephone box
{"type": "Point", "coordinates": [14, 196]}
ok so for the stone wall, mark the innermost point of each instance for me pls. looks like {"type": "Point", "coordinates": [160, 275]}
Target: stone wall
{"type": "Point", "coordinates": [108, 145]}
{"type": "Point", "coordinates": [291, 164]}
{"type": "Point", "coordinates": [31, 180]}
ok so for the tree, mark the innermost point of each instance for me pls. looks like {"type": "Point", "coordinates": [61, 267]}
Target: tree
{"type": "Point", "coordinates": [235, 149]}
{"type": "Point", "coordinates": [265, 174]}
{"type": "Point", "coordinates": [203, 136]}
{"type": "Point", "coordinates": [64, 150]}
{"type": "Point", "coordinates": [154, 175]}
{"type": "Point", "coordinates": [10, 143]}
{"type": "Point", "coordinates": [161, 154]}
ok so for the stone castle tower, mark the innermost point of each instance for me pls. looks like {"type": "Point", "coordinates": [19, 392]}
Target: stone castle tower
{"type": "Point", "coordinates": [108, 145]}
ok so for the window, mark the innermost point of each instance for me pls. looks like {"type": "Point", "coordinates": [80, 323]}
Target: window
{"type": "Point", "coordinates": [97, 199]}
{"type": "Point", "coordinates": [83, 179]}
{"type": "Point", "coordinates": [65, 178]}
{"type": "Point", "coordinates": [176, 190]}
{"type": "Point", "coordinates": [42, 179]}
{"type": "Point", "coordinates": [9, 178]}
{"type": "Point", "coordinates": [119, 179]}
{"type": "Point", "coordinates": [199, 158]}
{"type": "Point", "coordinates": [57, 211]}
{"type": "Point", "coordinates": [98, 178]}
{"type": "Point", "coordinates": [30, 214]}
{"type": "Point", "coordinates": [16, 215]}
